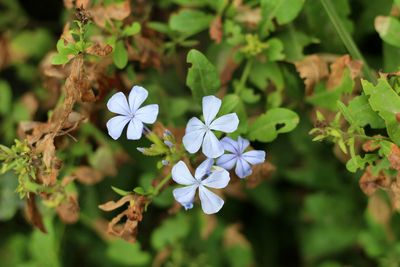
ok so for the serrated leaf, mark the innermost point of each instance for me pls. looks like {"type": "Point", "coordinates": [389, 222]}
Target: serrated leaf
{"type": "Point", "coordinates": [277, 120]}
{"type": "Point", "coordinates": [360, 113]}
{"type": "Point", "coordinates": [202, 77]}
{"type": "Point", "coordinates": [384, 100]}
{"type": "Point", "coordinates": [120, 55]}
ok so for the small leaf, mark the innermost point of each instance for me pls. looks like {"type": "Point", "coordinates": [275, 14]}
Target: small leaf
{"type": "Point", "coordinates": [59, 59]}
{"type": "Point", "coordinates": [132, 29]}
{"type": "Point", "coordinates": [120, 191]}
{"type": "Point", "coordinates": [202, 77]}
{"type": "Point", "coordinates": [139, 190]}
{"type": "Point", "coordinates": [120, 55]}
{"type": "Point", "coordinates": [277, 120]}
{"type": "Point", "coordinates": [229, 103]}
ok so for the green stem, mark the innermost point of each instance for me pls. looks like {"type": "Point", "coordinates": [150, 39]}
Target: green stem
{"type": "Point", "coordinates": [245, 75]}
{"type": "Point", "coordinates": [161, 184]}
{"type": "Point", "coordinates": [347, 39]}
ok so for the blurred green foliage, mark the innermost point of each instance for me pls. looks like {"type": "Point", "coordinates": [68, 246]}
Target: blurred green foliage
{"type": "Point", "coordinates": [310, 211]}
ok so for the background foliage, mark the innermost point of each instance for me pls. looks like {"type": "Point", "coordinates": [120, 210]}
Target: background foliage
{"type": "Point", "coordinates": [293, 70]}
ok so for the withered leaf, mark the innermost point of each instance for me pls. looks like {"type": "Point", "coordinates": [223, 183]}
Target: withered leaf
{"type": "Point", "coordinates": [339, 66]}
{"type": "Point", "coordinates": [118, 11]}
{"type": "Point", "coordinates": [312, 69]}
{"type": "Point", "coordinates": [87, 175]}
{"type": "Point", "coordinates": [261, 172]}
{"type": "Point", "coordinates": [369, 182]}
{"type": "Point", "coordinates": [233, 236]}
{"type": "Point", "coordinates": [112, 205]}
{"type": "Point", "coordinates": [33, 214]}
{"type": "Point", "coordinates": [68, 210]}
{"type": "Point", "coordinates": [99, 50]}
{"type": "Point", "coordinates": [394, 157]}
{"type": "Point", "coordinates": [216, 31]}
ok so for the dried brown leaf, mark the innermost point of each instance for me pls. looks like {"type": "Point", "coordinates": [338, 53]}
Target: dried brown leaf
{"type": "Point", "coordinates": [216, 31]}
{"type": "Point", "coordinates": [394, 157]}
{"type": "Point", "coordinates": [87, 175]}
{"type": "Point", "coordinates": [112, 205]}
{"type": "Point", "coordinates": [117, 11]}
{"type": "Point", "coordinates": [233, 236]}
{"type": "Point", "coordinates": [369, 182]}
{"type": "Point", "coordinates": [339, 66]}
{"type": "Point", "coordinates": [68, 210]}
{"type": "Point", "coordinates": [99, 50]}
{"type": "Point", "coordinates": [33, 214]}
{"type": "Point", "coordinates": [261, 172]}
{"type": "Point", "coordinates": [312, 69]}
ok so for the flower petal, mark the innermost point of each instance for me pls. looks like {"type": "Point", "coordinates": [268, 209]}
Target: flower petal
{"type": "Point", "coordinates": [212, 148]}
{"type": "Point", "coordinates": [136, 97]}
{"type": "Point", "coordinates": [118, 104]}
{"type": "Point", "coordinates": [135, 129]}
{"type": "Point", "coordinates": [217, 179]}
{"type": "Point", "coordinates": [243, 168]}
{"type": "Point", "coordinates": [204, 168]}
{"type": "Point", "coordinates": [254, 156]}
{"type": "Point", "coordinates": [181, 174]}
{"type": "Point", "coordinates": [116, 125]}
{"type": "Point", "coordinates": [227, 123]}
{"type": "Point", "coordinates": [211, 106]}
{"type": "Point", "coordinates": [242, 144]}
{"type": "Point", "coordinates": [194, 135]}
{"type": "Point", "coordinates": [227, 161]}
{"type": "Point", "coordinates": [185, 195]}
{"type": "Point", "coordinates": [210, 202]}
{"type": "Point", "coordinates": [229, 145]}
{"type": "Point", "coordinates": [147, 114]}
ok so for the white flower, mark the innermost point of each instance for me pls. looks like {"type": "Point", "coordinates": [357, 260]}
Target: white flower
{"type": "Point", "coordinates": [130, 113]}
{"type": "Point", "coordinates": [199, 133]}
{"type": "Point", "coordinates": [204, 177]}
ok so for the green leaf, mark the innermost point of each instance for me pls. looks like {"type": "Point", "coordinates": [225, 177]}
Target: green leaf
{"type": "Point", "coordinates": [139, 190]}
{"type": "Point", "coordinates": [170, 231]}
{"type": "Point", "coordinates": [294, 43]}
{"type": "Point", "coordinates": [59, 59]}
{"type": "Point", "coordinates": [229, 104]}
{"type": "Point", "coordinates": [360, 113]}
{"type": "Point", "coordinates": [384, 100]}
{"type": "Point", "coordinates": [264, 72]}
{"type": "Point", "coordinates": [190, 21]}
{"type": "Point", "coordinates": [388, 29]}
{"type": "Point", "coordinates": [5, 98]}
{"type": "Point", "coordinates": [128, 254]}
{"type": "Point", "coordinates": [132, 29]}
{"type": "Point", "coordinates": [277, 120]}
{"type": "Point", "coordinates": [120, 191]}
{"type": "Point", "coordinates": [248, 96]}
{"type": "Point", "coordinates": [274, 51]}
{"type": "Point", "coordinates": [120, 55]}
{"type": "Point", "coordinates": [284, 11]}
{"type": "Point", "coordinates": [202, 77]}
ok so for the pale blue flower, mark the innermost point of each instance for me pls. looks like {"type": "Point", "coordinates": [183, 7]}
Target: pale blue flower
{"type": "Point", "coordinates": [237, 156]}
{"type": "Point", "coordinates": [130, 112]}
{"type": "Point", "coordinates": [200, 134]}
{"type": "Point", "coordinates": [205, 176]}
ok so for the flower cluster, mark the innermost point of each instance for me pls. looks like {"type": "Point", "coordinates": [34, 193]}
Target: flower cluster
{"type": "Point", "coordinates": [212, 172]}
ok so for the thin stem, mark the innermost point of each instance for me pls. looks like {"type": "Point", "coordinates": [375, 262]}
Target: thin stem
{"type": "Point", "coordinates": [161, 184]}
{"type": "Point", "coordinates": [347, 39]}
